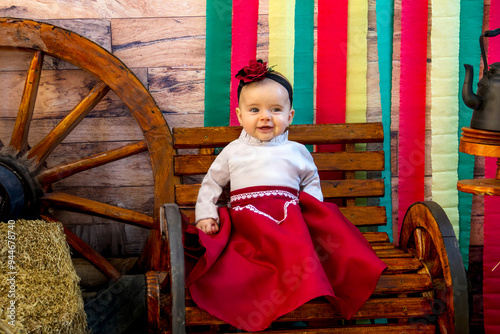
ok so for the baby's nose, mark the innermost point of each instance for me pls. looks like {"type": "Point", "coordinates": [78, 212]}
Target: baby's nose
{"type": "Point", "coordinates": [265, 114]}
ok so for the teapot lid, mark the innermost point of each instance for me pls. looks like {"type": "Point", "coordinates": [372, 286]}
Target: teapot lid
{"type": "Point", "coordinates": [495, 67]}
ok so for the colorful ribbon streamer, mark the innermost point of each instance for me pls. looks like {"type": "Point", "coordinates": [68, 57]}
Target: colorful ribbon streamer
{"type": "Point", "coordinates": [471, 19]}
{"type": "Point", "coordinates": [282, 36]}
{"type": "Point", "coordinates": [412, 102]}
{"type": "Point", "coordinates": [331, 62]}
{"type": "Point", "coordinates": [218, 62]}
{"type": "Point", "coordinates": [491, 253]}
{"type": "Point", "coordinates": [357, 68]}
{"type": "Point", "coordinates": [444, 106]}
{"type": "Point", "coordinates": [303, 63]}
{"type": "Point", "coordinates": [385, 21]}
{"type": "Point", "coordinates": [357, 63]}
{"type": "Point", "coordinates": [244, 45]}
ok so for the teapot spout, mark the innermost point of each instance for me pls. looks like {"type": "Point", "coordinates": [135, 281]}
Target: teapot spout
{"type": "Point", "coordinates": [471, 100]}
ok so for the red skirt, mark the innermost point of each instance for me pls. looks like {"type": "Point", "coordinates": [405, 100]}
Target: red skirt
{"type": "Point", "coordinates": [274, 252]}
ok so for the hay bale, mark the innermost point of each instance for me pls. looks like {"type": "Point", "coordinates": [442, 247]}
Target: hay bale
{"type": "Point", "coordinates": [39, 288]}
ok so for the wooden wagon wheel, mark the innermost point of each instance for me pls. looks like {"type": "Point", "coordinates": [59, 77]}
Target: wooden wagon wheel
{"type": "Point", "coordinates": [25, 187]}
{"type": "Point", "coordinates": [428, 234]}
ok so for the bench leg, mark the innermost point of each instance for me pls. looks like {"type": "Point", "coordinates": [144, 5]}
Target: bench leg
{"type": "Point", "coordinates": [172, 219]}
{"type": "Point", "coordinates": [171, 227]}
{"type": "Point", "coordinates": [153, 301]}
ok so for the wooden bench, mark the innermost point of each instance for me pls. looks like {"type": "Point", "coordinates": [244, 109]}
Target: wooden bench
{"type": "Point", "coordinates": [424, 289]}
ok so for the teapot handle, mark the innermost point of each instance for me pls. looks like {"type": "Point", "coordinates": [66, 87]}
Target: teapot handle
{"type": "Point", "coordinates": [488, 33]}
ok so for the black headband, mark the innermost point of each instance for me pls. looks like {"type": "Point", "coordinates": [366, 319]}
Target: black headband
{"type": "Point", "coordinates": [275, 77]}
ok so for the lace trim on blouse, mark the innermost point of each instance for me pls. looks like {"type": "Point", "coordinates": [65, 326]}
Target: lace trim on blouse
{"type": "Point", "coordinates": [247, 139]}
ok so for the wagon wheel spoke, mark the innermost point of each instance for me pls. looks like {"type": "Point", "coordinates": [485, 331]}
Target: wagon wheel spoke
{"type": "Point", "coordinates": [57, 173]}
{"type": "Point", "coordinates": [19, 139]}
{"type": "Point", "coordinates": [421, 243]}
{"type": "Point", "coordinates": [424, 251]}
{"type": "Point", "coordinates": [91, 255]}
{"type": "Point", "coordinates": [88, 252]}
{"type": "Point", "coordinates": [82, 205]}
{"type": "Point", "coordinates": [42, 150]}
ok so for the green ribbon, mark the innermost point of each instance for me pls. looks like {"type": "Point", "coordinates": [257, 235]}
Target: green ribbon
{"type": "Point", "coordinates": [218, 62]}
{"type": "Point", "coordinates": [303, 95]}
{"type": "Point", "coordinates": [471, 20]}
{"type": "Point", "coordinates": [385, 20]}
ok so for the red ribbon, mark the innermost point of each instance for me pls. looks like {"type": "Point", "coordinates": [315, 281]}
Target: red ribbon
{"type": "Point", "coordinates": [331, 62]}
{"type": "Point", "coordinates": [244, 45]}
{"type": "Point", "coordinates": [411, 147]}
{"type": "Point", "coordinates": [331, 67]}
{"type": "Point", "coordinates": [491, 252]}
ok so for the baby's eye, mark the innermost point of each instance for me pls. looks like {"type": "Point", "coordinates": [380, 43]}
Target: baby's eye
{"type": "Point", "coordinates": [276, 110]}
{"type": "Point", "coordinates": [254, 110]}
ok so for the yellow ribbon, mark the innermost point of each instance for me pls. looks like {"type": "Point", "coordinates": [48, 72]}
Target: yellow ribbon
{"type": "Point", "coordinates": [281, 36]}
{"type": "Point", "coordinates": [357, 60]}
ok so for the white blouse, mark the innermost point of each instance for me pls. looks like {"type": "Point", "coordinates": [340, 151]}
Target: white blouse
{"type": "Point", "coordinates": [249, 162]}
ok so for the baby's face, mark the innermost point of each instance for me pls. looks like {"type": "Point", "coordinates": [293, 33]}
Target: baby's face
{"type": "Point", "coordinates": [264, 109]}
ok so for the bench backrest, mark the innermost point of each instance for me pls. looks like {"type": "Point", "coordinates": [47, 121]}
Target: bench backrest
{"type": "Point", "coordinates": [196, 149]}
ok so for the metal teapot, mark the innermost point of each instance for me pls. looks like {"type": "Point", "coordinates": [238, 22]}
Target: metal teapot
{"type": "Point", "coordinates": [486, 103]}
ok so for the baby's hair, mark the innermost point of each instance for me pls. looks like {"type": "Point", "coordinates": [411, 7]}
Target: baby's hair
{"type": "Point", "coordinates": [257, 71]}
{"type": "Point", "coordinates": [275, 76]}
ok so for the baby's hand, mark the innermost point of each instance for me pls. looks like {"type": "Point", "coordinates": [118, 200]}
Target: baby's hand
{"type": "Point", "coordinates": [208, 225]}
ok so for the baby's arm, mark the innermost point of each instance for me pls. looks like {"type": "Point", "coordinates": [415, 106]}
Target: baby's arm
{"type": "Point", "coordinates": [310, 182]}
{"type": "Point", "coordinates": [208, 225]}
{"type": "Point", "coordinates": [206, 206]}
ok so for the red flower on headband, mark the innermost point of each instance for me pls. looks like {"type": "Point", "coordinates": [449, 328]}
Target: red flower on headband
{"type": "Point", "coordinates": [255, 71]}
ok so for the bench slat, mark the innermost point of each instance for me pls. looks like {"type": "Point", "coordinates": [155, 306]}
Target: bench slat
{"type": "Point", "coordinates": [375, 237]}
{"type": "Point", "coordinates": [403, 283]}
{"type": "Point", "coordinates": [365, 215]}
{"type": "Point", "coordinates": [402, 265]}
{"type": "Point", "coordinates": [192, 164]}
{"type": "Point", "coordinates": [306, 134]}
{"type": "Point", "coordinates": [392, 253]}
{"type": "Point", "coordinates": [350, 161]}
{"type": "Point", "coordinates": [322, 310]}
{"type": "Point", "coordinates": [353, 188]}
{"type": "Point", "coordinates": [385, 245]}
{"type": "Point", "coordinates": [339, 161]}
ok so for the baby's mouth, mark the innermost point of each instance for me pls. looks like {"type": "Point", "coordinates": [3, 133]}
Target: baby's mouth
{"type": "Point", "coordinates": [265, 128]}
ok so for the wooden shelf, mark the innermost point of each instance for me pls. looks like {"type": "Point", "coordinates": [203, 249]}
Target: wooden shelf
{"type": "Point", "coordinates": [479, 149]}
{"type": "Point", "coordinates": [486, 144]}
{"type": "Point", "coordinates": [480, 186]}
{"type": "Point", "coordinates": [480, 142]}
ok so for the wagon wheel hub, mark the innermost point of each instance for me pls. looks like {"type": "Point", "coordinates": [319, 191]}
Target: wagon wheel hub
{"type": "Point", "coordinates": [19, 191]}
